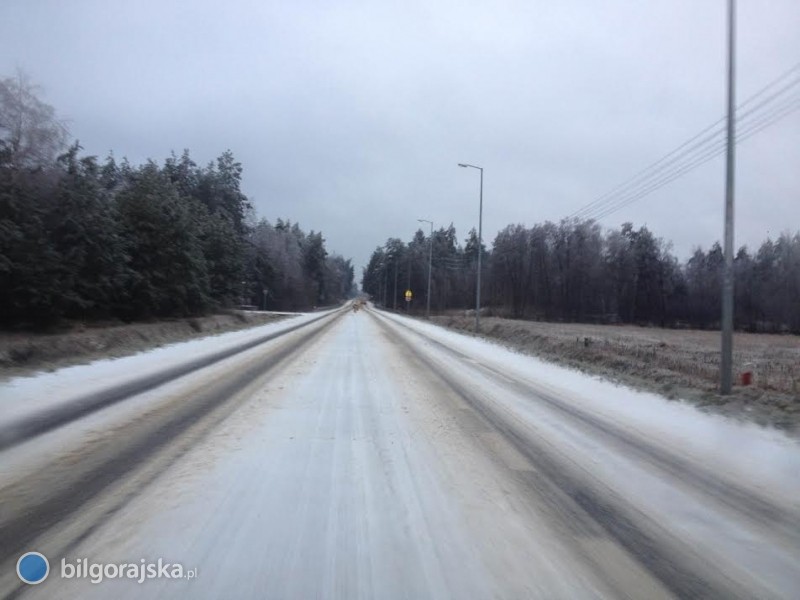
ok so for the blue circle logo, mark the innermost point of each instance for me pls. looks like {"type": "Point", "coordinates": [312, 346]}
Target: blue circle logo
{"type": "Point", "coordinates": [33, 568]}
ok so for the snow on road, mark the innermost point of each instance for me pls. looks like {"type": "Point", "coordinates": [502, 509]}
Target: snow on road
{"type": "Point", "coordinates": [23, 396]}
{"type": "Point", "coordinates": [760, 457]}
{"type": "Point", "coordinates": [363, 470]}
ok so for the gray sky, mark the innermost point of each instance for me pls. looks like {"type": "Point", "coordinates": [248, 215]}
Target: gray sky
{"type": "Point", "coordinates": [350, 117]}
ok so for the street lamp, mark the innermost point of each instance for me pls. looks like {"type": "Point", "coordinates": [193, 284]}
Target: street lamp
{"type": "Point", "coordinates": [480, 242]}
{"type": "Point", "coordinates": [430, 259]}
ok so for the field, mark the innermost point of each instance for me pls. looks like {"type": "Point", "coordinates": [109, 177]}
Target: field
{"type": "Point", "coordinates": [680, 364]}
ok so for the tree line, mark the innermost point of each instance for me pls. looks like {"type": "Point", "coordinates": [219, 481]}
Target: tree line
{"type": "Point", "coordinates": [87, 239]}
{"type": "Point", "coordinates": [577, 271]}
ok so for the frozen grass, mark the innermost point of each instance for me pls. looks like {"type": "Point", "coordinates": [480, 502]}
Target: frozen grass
{"type": "Point", "coordinates": [675, 363]}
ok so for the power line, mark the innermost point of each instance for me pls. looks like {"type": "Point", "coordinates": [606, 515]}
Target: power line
{"type": "Point", "coordinates": [711, 153]}
{"type": "Point", "coordinates": [697, 153]}
{"type": "Point", "coordinates": [699, 144]}
{"type": "Point", "coordinates": [658, 180]}
{"type": "Point", "coordinates": [741, 114]}
{"type": "Point", "coordinates": [746, 132]}
{"type": "Point", "coordinates": [693, 158]}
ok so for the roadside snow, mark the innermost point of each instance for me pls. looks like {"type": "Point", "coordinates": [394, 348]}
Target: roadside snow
{"type": "Point", "coordinates": [24, 396]}
{"type": "Point", "coordinates": [764, 459]}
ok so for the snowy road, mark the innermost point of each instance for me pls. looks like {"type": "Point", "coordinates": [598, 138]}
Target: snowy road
{"type": "Point", "coordinates": [371, 456]}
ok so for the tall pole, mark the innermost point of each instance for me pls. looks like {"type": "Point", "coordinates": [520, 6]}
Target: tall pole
{"type": "Point", "coordinates": [385, 277]}
{"type": "Point", "coordinates": [408, 287]}
{"type": "Point", "coordinates": [480, 245]}
{"type": "Point", "coordinates": [394, 304]}
{"type": "Point", "coordinates": [480, 248]}
{"type": "Point", "coordinates": [430, 266]}
{"type": "Point", "coordinates": [726, 360]}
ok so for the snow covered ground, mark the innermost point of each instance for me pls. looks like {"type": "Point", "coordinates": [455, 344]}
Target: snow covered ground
{"type": "Point", "coordinates": [760, 457]}
{"type": "Point", "coordinates": [24, 396]}
{"type": "Point", "coordinates": [394, 459]}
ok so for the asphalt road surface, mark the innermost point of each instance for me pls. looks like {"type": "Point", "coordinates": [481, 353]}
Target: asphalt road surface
{"type": "Point", "coordinates": [362, 456]}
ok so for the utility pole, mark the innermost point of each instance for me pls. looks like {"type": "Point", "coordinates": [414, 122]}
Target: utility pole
{"type": "Point", "coordinates": [430, 266]}
{"type": "Point", "coordinates": [408, 287]}
{"type": "Point", "coordinates": [726, 359]}
{"type": "Point", "coordinates": [385, 278]}
{"type": "Point", "coordinates": [394, 304]}
{"type": "Point", "coordinates": [480, 244]}
{"type": "Point", "coordinates": [480, 252]}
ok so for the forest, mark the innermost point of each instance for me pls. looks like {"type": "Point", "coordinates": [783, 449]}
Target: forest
{"type": "Point", "coordinates": [577, 271]}
{"type": "Point", "coordinates": [89, 239]}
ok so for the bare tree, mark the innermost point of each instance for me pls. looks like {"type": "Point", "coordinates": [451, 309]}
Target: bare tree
{"type": "Point", "coordinates": [29, 129]}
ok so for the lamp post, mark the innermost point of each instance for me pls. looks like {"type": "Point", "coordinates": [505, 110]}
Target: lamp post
{"type": "Point", "coordinates": [480, 244]}
{"type": "Point", "coordinates": [430, 263]}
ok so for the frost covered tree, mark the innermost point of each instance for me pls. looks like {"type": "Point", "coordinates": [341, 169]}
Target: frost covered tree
{"type": "Point", "coordinates": [30, 132]}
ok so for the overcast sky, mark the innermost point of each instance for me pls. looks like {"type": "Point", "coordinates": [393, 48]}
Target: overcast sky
{"type": "Point", "coordinates": [350, 117]}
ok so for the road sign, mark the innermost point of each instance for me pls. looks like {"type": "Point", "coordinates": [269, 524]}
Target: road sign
{"type": "Point", "coordinates": [409, 295]}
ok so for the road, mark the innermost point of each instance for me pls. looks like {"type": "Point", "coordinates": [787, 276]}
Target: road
{"type": "Point", "coordinates": [365, 455]}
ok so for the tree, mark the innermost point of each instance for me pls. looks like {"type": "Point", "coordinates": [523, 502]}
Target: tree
{"type": "Point", "coordinates": [82, 228]}
{"type": "Point", "coordinates": [84, 240]}
{"type": "Point", "coordinates": [218, 186]}
{"type": "Point", "coordinates": [29, 129]}
{"type": "Point", "coordinates": [163, 240]}
{"type": "Point", "coordinates": [314, 255]}
{"type": "Point", "coordinates": [374, 275]}
{"type": "Point", "coordinates": [574, 270]}
{"type": "Point", "coordinates": [511, 269]}
{"type": "Point", "coordinates": [746, 296]}
{"type": "Point", "coordinates": [223, 254]}
{"type": "Point", "coordinates": [28, 262]}
{"type": "Point", "coordinates": [338, 278]}
{"type": "Point", "coordinates": [293, 268]}
{"type": "Point", "coordinates": [397, 263]}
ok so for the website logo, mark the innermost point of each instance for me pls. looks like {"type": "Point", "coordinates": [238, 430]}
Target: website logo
{"type": "Point", "coordinates": [33, 568]}
{"type": "Point", "coordinates": [83, 568]}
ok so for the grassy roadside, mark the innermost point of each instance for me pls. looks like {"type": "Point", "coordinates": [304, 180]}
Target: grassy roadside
{"type": "Point", "coordinates": [678, 364]}
{"type": "Point", "coordinates": [26, 353]}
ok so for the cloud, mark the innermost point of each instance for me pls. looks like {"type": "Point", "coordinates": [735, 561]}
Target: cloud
{"type": "Point", "coordinates": [350, 117]}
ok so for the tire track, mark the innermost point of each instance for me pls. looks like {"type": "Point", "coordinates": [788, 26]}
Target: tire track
{"type": "Point", "coordinates": [29, 427]}
{"type": "Point", "coordinates": [31, 511]}
{"type": "Point", "coordinates": [675, 564]}
{"type": "Point", "coordinates": [756, 508]}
